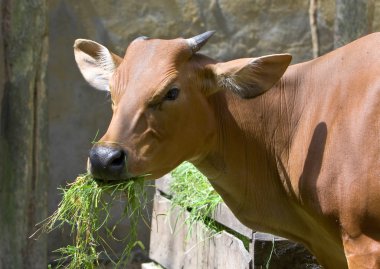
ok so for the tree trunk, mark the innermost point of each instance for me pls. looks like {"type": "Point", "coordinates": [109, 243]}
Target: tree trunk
{"type": "Point", "coordinates": [23, 132]}
{"type": "Point", "coordinates": [353, 19]}
{"type": "Point", "coordinates": [313, 20]}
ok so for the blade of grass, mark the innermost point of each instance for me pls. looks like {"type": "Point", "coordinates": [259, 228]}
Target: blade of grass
{"type": "Point", "coordinates": [192, 193]}
{"type": "Point", "coordinates": [85, 210]}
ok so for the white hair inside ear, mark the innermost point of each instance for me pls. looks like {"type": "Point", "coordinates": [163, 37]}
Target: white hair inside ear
{"type": "Point", "coordinates": [250, 77]}
{"type": "Point", "coordinates": [96, 63]}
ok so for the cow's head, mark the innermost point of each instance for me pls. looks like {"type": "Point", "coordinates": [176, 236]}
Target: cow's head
{"type": "Point", "coordinates": [160, 95]}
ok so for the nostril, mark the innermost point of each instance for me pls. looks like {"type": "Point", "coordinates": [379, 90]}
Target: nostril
{"type": "Point", "coordinates": [107, 162]}
{"type": "Point", "coordinates": [118, 159]}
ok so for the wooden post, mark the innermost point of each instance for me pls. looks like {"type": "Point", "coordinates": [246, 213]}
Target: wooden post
{"type": "Point", "coordinates": [23, 132]}
{"type": "Point", "coordinates": [313, 10]}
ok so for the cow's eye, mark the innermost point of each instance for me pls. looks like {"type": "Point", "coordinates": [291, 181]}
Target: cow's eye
{"type": "Point", "coordinates": [172, 94]}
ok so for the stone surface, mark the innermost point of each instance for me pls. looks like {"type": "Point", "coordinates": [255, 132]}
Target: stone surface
{"type": "Point", "coordinates": [23, 132]}
{"type": "Point", "coordinates": [359, 14]}
{"type": "Point", "coordinates": [376, 17]}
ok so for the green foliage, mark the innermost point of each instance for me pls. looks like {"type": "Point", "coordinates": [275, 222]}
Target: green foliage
{"type": "Point", "coordinates": [86, 204]}
{"type": "Point", "coordinates": [192, 193]}
{"type": "Point", "coordinates": [85, 210]}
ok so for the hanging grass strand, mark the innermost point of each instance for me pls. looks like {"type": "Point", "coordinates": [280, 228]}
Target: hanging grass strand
{"type": "Point", "coordinates": [192, 193]}
{"type": "Point", "coordinates": [85, 209]}
{"type": "Point", "coordinates": [86, 205]}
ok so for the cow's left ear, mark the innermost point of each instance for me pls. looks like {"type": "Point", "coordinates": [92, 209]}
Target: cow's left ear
{"type": "Point", "coordinates": [250, 77]}
{"type": "Point", "coordinates": [96, 63]}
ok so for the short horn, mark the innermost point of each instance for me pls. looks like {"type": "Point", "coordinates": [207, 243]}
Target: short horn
{"type": "Point", "coordinates": [195, 43]}
{"type": "Point", "coordinates": [141, 38]}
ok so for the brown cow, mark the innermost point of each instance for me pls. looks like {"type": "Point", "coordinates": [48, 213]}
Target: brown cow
{"type": "Point", "coordinates": [295, 154]}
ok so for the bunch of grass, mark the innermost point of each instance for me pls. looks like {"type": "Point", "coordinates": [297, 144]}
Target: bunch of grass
{"type": "Point", "coordinates": [192, 193]}
{"type": "Point", "coordinates": [85, 210]}
{"type": "Point", "coordinates": [196, 200]}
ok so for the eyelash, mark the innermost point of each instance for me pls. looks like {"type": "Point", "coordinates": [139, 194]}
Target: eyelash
{"type": "Point", "coordinates": [172, 94]}
{"type": "Point", "coordinates": [156, 106]}
{"type": "Point", "coordinates": [166, 97]}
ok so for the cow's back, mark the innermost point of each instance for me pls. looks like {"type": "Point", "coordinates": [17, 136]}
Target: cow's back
{"type": "Point", "coordinates": [336, 149]}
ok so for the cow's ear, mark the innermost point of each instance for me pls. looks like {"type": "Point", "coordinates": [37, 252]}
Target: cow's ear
{"type": "Point", "coordinates": [250, 77]}
{"type": "Point", "coordinates": [95, 62]}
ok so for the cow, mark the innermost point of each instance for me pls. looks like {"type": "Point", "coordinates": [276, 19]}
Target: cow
{"type": "Point", "coordinates": [292, 150]}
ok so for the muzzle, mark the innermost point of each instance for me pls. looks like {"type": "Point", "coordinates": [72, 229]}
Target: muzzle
{"type": "Point", "coordinates": [108, 162]}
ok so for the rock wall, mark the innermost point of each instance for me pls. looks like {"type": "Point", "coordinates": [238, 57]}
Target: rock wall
{"type": "Point", "coordinates": [245, 28]}
{"type": "Point", "coordinates": [23, 132]}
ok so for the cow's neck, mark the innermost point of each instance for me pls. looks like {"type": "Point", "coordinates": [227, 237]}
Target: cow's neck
{"type": "Point", "coordinates": [248, 163]}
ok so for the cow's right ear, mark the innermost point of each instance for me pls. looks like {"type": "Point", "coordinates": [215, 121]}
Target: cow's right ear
{"type": "Point", "coordinates": [250, 77]}
{"type": "Point", "coordinates": [95, 62]}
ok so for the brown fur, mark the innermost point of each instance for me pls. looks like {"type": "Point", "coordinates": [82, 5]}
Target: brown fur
{"type": "Point", "coordinates": [300, 159]}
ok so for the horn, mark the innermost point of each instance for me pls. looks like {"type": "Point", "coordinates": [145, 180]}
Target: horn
{"type": "Point", "coordinates": [141, 38]}
{"type": "Point", "coordinates": [195, 43]}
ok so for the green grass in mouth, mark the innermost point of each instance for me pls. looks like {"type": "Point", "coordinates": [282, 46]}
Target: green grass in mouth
{"type": "Point", "coordinates": [84, 209]}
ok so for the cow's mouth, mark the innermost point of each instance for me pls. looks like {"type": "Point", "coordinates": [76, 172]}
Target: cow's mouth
{"type": "Point", "coordinates": [112, 181]}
